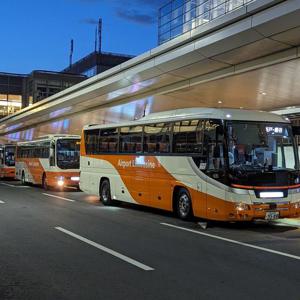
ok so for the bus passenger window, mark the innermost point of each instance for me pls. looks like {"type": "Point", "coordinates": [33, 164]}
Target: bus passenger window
{"type": "Point", "coordinates": [157, 138]}
{"type": "Point", "coordinates": [131, 139]}
{"type": "Point", "coordinates": [188, 137]}
{"type": "Point", "coordinates": [108, 140]}
{"type": "Point", "coordinates": [92, 141]}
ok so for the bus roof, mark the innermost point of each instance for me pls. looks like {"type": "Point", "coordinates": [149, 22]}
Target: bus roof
{"type": "Point", "coordinates": [200, 113]}
{"type": "Point", "coordinates": [50, 137]}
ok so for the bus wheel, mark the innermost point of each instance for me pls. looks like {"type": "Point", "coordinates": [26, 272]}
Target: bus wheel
{"type": "Point", "coordinates": [23, 180]}
{"type": "Point", "coordinates": [184, 207]}
{"type": "Point", "coordinates": [44, 182]}
{"type": "Point", "coordinates": [105, 195]}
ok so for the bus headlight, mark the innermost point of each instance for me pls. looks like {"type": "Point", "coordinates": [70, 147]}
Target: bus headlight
{"type": "Point", "coordinates": [296, 205]}
{"type": "Point", "coordinates": [75, 178]}
{"type": "Point", "coordinates": [242, 206]}
{"type": "Point", "coordinates": [60, 181]}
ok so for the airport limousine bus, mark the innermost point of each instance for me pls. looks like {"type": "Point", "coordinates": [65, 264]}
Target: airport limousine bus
{"type": "Point", "coordinates": [217, 164]}
{"type": "Point", "coordinates": [51, 161]}
{"type": "Point", "coordinates": [7, 161]}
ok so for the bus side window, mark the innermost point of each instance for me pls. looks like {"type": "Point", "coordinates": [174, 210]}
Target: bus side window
{"type": "Point", "coordinates": [108, 140]}
{"type": "Point", "coordinates": [92, 141]}
{"type": "Point", "coordinates": [157, 138]}
{"type": "Point", "coordinates": [131, 139]}
{"type": "Point", "coordinates": [188, 137]}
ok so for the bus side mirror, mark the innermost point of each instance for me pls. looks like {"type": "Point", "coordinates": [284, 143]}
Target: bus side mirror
{"type": "Point", "coordinates": [296, 130]}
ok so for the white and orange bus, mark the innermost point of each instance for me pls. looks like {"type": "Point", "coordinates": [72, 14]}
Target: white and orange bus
{"type": "Point", "coordinates": [7, 161]}
{"type": "Point", "coordinates": [52, 161]}
{"type": "Point", "coordinates": [217, 164]}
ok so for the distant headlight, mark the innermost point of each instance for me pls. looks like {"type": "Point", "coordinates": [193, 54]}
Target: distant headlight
{"type": "Point", "coordinates": [296, 205]}
{"type": "Point", "coordinates": [60, 180]}
{"type": "Point", "coordinates": [75, 178]}
{"type": "Point", "coordinates": [242, 206]}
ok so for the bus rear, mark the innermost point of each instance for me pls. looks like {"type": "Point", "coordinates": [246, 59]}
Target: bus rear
{"type": "Point", "coordinates": [7, 161]}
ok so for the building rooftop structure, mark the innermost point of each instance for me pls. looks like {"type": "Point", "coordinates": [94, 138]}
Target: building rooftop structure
{"type": "Point", "coordinates": [21, 90]}
{"type": "Point", "coordinates": [96, 63]}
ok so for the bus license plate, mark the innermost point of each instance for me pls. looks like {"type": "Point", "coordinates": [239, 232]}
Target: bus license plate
{"type": "Point", "coordinates": [272, 215]}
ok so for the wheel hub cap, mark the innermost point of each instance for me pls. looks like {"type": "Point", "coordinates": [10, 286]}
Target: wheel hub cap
{"type": "Point", "coordinates": [184, 205]}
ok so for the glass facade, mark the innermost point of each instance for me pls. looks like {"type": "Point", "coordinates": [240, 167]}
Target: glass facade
{"type": "Point", "coordinates": [10, 94]}
{"type": "Point", "coordinates": [180, 16]}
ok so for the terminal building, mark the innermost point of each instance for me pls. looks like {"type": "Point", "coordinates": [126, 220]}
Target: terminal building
{"type": "Point", "coordinates": [96, 63]}
{"type": "Point", "coordinates": [19, 90]}
{"type": "Point", "coordinates": [245, 56]}
{"type": "Point", "coordinates": [181, 16]}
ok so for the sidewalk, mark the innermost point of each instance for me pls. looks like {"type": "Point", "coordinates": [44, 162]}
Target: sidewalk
{"type": "Point", "coordinates": [292, 222]}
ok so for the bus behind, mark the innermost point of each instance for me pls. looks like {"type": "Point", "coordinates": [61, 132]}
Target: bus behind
{"type": "Point", "coordinates": [7, 161]}
{"type": "Point", "coordinates": [51, 161]}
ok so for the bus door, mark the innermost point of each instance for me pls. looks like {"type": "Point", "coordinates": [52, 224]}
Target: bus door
{"type": "Point", "coordinates": [140, 183]}
{"type": "Point", "coordinates": [1, 157]}
{"type": "Point", "coordinates": [215, 167]}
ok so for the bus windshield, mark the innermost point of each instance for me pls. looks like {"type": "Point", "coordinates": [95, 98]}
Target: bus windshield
{"type": "Point", "coordinates": [260, 147]}
{"type": "Point", "coordinates": [68, 153]}
{"type": "Point", "coordinates": [10, 156]}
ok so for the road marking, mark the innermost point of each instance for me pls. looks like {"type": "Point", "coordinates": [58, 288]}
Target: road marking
{"type": "Point", "coordinates": [107, 250]}
{"type": "Point", "coordinates": [16, 186]}
{"type": "Point", "coordinates": [58, 197]}
{"type": "Point", "coordinates": [234, 241]}
{"type": "Point", "coordinates": [7, 184]}
{"type": "Point", "coordinates": [2, 202]}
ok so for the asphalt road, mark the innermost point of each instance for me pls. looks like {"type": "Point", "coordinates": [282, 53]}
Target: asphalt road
{"type": "Point", "coordinates": [66, 245]}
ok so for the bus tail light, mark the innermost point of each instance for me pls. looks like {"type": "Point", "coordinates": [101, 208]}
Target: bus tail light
{"type": "Point", "coordinates": [75, 178]}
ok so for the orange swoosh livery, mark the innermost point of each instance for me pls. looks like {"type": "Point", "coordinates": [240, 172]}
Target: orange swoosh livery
{"type": "Point", "coordinates": [146, 180]}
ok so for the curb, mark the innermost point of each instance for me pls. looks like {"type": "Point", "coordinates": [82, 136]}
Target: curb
{"type": "Point", "coordinates": [292, 222]}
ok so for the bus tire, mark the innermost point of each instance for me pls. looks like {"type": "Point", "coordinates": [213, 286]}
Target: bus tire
{"type": "Point", "coordinates": [105, 194]}
{"type": "Point", "coordinates": [44, 182]}
{"type": "Point", "coordinates": [183, 204]}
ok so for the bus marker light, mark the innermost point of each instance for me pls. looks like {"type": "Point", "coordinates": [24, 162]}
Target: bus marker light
{"type": "Point", "coordinates": [271, 194]}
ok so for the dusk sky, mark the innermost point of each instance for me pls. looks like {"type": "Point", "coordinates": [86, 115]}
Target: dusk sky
{"type": "Point", "coordinates": [36, 34]}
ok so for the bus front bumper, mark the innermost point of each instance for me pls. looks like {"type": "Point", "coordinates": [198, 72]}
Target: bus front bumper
{"type": "Point", "coordinates": [7, 173]}
{"type": "Point", "coordinates": [265, 212]}
{"type": "Point", "coordinates": [66, 181]}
